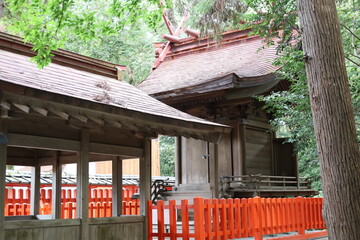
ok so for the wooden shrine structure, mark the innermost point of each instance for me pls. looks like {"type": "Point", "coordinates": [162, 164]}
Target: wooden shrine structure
{"type": "Point", "coordinates": [77, 110]}
{"type": "Point", "coordinates": [217, 82]}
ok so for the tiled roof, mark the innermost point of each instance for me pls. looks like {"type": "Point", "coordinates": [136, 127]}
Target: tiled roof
{"type": "Point", "coordinates": [15, 68]}
{"type": "Point", "coordinates": [187, 67]}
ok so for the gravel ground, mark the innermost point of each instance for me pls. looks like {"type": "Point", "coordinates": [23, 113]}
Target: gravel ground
{"type": "Point", "coordinates": [281, 235]}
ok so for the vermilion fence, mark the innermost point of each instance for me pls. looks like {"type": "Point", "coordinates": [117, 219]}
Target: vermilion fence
{"type": "Point", "coordinates": [225, 219]}
{"type": "Point", "coordinates": [17, 202]}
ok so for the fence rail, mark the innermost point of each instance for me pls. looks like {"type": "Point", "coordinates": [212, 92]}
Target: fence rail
{"type": "Point", "coordinates": [235, 218]}
{"type": "Point", "coordinates": [17, 202]}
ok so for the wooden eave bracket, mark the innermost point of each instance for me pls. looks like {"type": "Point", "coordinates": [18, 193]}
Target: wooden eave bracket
{"type": "Point", "coordinates": [91, 118]}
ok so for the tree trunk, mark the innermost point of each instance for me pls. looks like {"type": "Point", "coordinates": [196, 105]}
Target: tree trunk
{"type": "Point", "coordinates": [333, 117]}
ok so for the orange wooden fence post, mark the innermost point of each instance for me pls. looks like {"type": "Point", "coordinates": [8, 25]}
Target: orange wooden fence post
{"type": "Point", "coordinates": [208, 219]}
{"type": "Point", "coordinates": [257, 221]}
{"type": "Point", "coordinates": [172, 216]}
{"type": "Point", "coordinates": [185, 219]}
{"type": "Point", "coordinates": [215, 212]}
{"type": "Point", "coordinates": [300, 216]}
{"type": "Point", "coordinates": [160, 218]}
{"type": "Point", "coordinates": [150, 220]}
{"type": "Point", "coordinates": [237, 218]}
{"type": "Point", "coordinates": [223, 219]}
{"type": "Point", "coordinates": [231, 217]}
{"type": "Point", "coordinates": [199, 218]}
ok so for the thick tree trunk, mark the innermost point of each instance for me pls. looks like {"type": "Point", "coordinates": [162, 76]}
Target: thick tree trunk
{"type": "Point", "coordinates": [333, 117]}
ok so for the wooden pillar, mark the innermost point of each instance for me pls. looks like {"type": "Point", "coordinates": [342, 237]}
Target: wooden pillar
{"type": "Point", "coordinates": [238, 148]}
{"type": "Point", "coordinates": [178, 161]}
{"type": "Point", "coordinates": [116, 186]}
{"type": "Point", "coordinates": [145, 181]}
{"type": "Point", "coordinates": [274, 165]}
{"type": "Point", "coordinates": [297, 172]}
{"type": "Point", "coordinates": [56, 187]}
{"type": "Point", "coordinates": [82, 197]}
{"type": "Point", "coordinates": [35, 188]}
{"type": "Point", "coordinates": [242, 139]}
{"type": "Point", "coordinates": [214, 169]}
{"type": "Point", "coordinates": [3, 157]}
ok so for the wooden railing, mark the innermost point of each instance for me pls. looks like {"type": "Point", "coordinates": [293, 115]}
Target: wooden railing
{"type": "Point", "coordinates": [17, 202]}
{"type": "Point", "coordinates": [235, 218]}
{"type": "Point", "coordinates": [260, 182]}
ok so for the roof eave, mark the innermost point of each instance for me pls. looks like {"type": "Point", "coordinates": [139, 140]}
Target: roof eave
{"type": "Point", "coordinates": [138, 121]}
{"type": "Point", "coordinates": [16, 44]}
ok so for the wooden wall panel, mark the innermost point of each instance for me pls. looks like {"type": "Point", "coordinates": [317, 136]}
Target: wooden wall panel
{"type": "Point", "coordinates": [126, 231]}
{"type": "Point", "coordinates": [53, 233]}
{"type": "Point", "coordinates": [224, 158]}
{"type": "Point", "coordinates": [259, 158]}
{"type": "Point", "coordinates": [106, 229]}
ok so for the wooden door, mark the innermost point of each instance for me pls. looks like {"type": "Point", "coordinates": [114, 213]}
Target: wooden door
{"type": "Point", "coordinates": [194, 161]}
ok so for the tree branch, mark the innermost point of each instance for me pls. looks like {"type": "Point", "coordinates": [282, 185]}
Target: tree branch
{"type": "Point", "coordinates": [354, 55]}
{"type": "Point", "coordinates": [357, 64]}
{"type": "Point", "coordinates": [352, 33]}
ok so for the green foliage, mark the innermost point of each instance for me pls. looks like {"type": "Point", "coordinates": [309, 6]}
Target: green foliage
{"type": "Point", "coordinates": [50, 24]}
{"type": "Point", "coordinates": [292, 108]}
{"type": "Point", "coordinates": [167, 156]}
{"type": "Point", "coordinates": [211, 17]}
{"type": "Point", "coordinates": [277, 21]}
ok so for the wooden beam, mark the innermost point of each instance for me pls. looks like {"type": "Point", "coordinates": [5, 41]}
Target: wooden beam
{"type": "Point", "coordinates": [145, 181]}
{"type": "Point", "coordinates": [21, 161]}
{"type": "Point", "coordinates": [192, 33]}
{"type": "Point", "coordinates": [116, 186]}
{"type": "Point", "coordinates": [3, 155]}
{"type": "Point", "coordinates": [40, 111]}
{"type": "Point", "coordinates": [82, 197]}
{"type": "Point", "coordinates": [115, 150]}
{"type": "Point", "coordinates": [35, 189]}
{"type": "Point", "coordinates": [48, 224]}
{"type": "Point", "coordinates": [214, 169]}
{"type": "Point", "coordinates": [24, 108]}
{"type": "Point", "coordinates": [167, 22]}
{"type": "Point", "coordinates": [167, 47]}
{"type": "Point", "coordinates": [242, 148]}
{"type": "Point", "coordinates": [171, 38]}
{"type": "Point", "coordinates": [56, 187]}
{"type": "Point", "coordinates": [20, 140]}
{"type": "Point", "coordinates": [5, 105]}
{"type": "Point", "coordinates": [79, 117]}
{"type": "Point", "coordinates": [98, 121]}
{"type": "Point", "coordinates": [60, 114]}
{"type": "Point", "coordinates": [178, 161]}
{"type": "Point", "coordinates": [145, 176]}
{"type": "Point", "coordinates": [114, 123]}
{"type": "Point", "coordinates": [4, 113]}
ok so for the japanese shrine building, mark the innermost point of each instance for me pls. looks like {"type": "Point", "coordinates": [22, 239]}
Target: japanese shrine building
{"type": "Point", "coordinates": [76, 110]}
{"type": "Point", "coordinates": [218, 82]}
